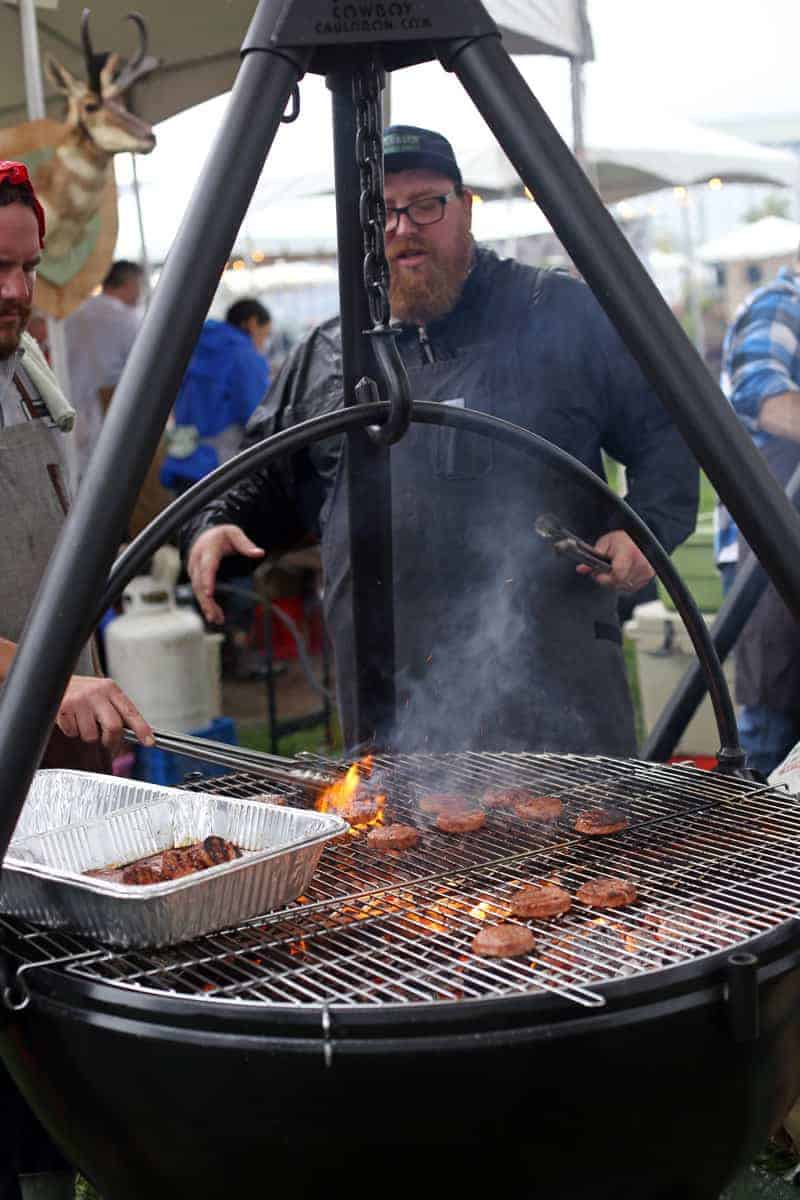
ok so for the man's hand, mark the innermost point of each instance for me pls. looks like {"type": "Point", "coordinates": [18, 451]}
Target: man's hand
{"type": "Point", "coordinates": [629, 571]}
{"type": "Point", "coordinates": [93, 709]}
{"type": "Point", "coordinates": [206, 554]}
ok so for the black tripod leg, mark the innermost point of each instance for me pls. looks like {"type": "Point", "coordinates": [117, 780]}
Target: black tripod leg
{"type": "Point", "coordinates": [633, 302]}
{"type": "Point", "coordinates": [64, 609]}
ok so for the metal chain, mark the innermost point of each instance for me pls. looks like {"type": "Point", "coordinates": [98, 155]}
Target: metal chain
{"type": "Point", "coordinates": [368, 83]}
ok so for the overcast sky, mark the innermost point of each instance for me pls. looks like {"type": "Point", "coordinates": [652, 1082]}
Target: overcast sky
{"type": "Point", "coordinates": [697, 59]}
{"type": "Point", "coordinates": [702, 58]}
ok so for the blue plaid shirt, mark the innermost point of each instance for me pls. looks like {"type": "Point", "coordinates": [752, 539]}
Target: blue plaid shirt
{"type": "Point", "coordinates": [760, 358]}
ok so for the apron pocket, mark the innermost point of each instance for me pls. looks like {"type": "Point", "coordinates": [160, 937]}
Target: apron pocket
{"type": "Point", "coordinates": [461, 455]}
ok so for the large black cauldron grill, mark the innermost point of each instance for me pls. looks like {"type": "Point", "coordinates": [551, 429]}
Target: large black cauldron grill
{"type": "Point", "coordinates": [352, 1044]}
{"type": "Point", "coordinates": [354, 1041]}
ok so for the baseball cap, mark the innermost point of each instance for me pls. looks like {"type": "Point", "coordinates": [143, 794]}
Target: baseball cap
{"type": "Point", "coordinates": [16, 173]}
{"type": "Point", "coordinates": [406, 147]}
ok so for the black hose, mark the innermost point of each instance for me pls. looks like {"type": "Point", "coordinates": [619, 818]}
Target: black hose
{"type": "Point", "coordinates": [289, 441]}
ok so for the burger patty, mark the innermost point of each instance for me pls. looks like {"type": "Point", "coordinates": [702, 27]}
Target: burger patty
{"type": "Point", "coordinates": [542, 901]}
{"type": "Point", "coordinates": [461, 822]}
{"type": "Point", "coordinates": [360, 810]}
{"type": "Point", "coordinates": [393, 837]}
{"type": "Point", "coordinates": [504, 797]}
{"type": "Point", "coordinates": [607, 892]}
{"type": "Point", "coordinates": [503, 941]}
{"type": "Point", "coordinates": [539, 808]}
{"type": "Point", "coordinates": [598, 821]}
{"type": "Point", "coordinates": [445, 802]}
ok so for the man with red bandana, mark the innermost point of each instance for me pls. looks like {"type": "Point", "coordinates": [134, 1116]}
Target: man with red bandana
{"type": "Point", "coordinates": [34, 419]}
{"type": "Point", "coordinates": [500, 644]}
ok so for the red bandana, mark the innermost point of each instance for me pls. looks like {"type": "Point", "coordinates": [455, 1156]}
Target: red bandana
{"type": "Point", "coordinates": [17, 173]}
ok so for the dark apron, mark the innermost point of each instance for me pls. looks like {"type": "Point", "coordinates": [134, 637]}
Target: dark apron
{"type": "Point", "coordinates": [768, 649]}
{"type": "Point", "coordinates": [499, 644]}
{"type": "Point", "coordinates": [34, 501]}
{"type": "Point", "coordinates": [33, 504]}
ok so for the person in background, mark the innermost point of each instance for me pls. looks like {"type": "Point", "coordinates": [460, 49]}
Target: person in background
{"type": "Point", "coordinates": [225, 381]}
{"type": "Point", "coordinates": [100, 335]}
{"type": "Point", "coordinates": [761, 377]}
{"type": "Point", "coordinates": [35, 420]}
{"type": "Point", "coordinates": [500, 644]}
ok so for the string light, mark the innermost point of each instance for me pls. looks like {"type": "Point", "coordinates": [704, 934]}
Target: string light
{"type": "Point", "coordinates": [238, 264]}
{"type": "Point", "coordinates": [258, 256]}
{"type": "Point", "coordinates": [680, 193]}
{"type": "Point", "coordinates": [715, 184]}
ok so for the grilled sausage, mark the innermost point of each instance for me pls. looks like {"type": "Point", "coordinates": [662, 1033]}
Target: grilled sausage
{"type": "Point", "coordinates": [461, 822]}
{"type": "Point", "coordinates": [541, 901]}
{"type": "Point", "coordinates": [503, 941]}
{"type": "Point", "coordinates": [606, 892]}
{"type": "Point", "coordinates": [393, 837]}
{"type": "Point", "coordinates": [141, 874]}
{"type": "Point", "coordinates": [219, 851]}
{"type": "Point", "coordinates": [539, 808]}
{"type": "Point", "coordinates": [599, 821]}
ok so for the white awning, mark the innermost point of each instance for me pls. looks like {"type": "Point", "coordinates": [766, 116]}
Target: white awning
{"type": "Point", "coordinates": [771, 237]}
{"type": "Point", "coordinates": [199, 44]}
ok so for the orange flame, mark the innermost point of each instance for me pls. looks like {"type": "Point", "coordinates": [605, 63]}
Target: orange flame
{"type": "Point", "coordinates": [343, 797]}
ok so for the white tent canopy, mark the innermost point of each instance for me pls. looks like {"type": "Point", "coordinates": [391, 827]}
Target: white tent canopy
{"type": "Point", "coordinates": [200, 51]}
{"type": "Point", "coordinates": [634, 152]}
{"type": "Point", "coordinates": [771, 237]}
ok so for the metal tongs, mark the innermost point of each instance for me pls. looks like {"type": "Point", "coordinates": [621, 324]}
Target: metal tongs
{"type": "Point", "coordinates": [272, 766]}
{"type": "Point", "coordinates": [567, 543]}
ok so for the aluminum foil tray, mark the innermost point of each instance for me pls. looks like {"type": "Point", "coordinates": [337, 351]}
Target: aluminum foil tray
{"type": "Point", "coordinates": [74, 821]}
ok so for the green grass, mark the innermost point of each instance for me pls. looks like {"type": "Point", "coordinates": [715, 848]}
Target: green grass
{"type": "Point", "coordinates": [256, 737]}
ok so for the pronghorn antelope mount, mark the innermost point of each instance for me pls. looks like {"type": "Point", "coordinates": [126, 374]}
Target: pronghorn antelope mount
{"type": "Point", "coordinates": [72, 182]}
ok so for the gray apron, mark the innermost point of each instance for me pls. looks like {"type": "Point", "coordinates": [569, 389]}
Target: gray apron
{"type": "Point", "coordinates": [34, 501]}
{"type": "Point", "coordinates": [499, 644]}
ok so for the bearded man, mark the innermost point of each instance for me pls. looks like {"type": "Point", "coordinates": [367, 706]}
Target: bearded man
{"type": "Point", "coordinates": [500, 644]}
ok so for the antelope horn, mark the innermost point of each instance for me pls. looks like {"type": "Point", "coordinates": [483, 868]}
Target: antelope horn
{"type": "Point", "coordinates": [92, 59]}
{"type": "Point", "coordinates": [141, 64]}
{"type": "Point", "coordinates": [138, 58]}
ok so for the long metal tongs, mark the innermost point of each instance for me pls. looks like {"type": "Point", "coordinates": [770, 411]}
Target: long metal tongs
{"type": "Point", "coordinates": [272, 766]}
{"type": "Point", "coordinates": [568, 544]}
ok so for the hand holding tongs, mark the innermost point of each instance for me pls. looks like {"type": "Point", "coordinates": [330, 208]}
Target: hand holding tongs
{"type": "Point", "coordinates": [286, 771]}
{"type": "Point", "coordinates": [567, 543]}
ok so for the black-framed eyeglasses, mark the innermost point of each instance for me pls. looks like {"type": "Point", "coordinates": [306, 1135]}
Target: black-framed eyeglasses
{"type": "Point", "coordinates": [425, 211]}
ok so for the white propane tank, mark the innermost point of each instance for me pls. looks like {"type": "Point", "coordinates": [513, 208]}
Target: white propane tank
{"type": "Point", "coordinates": [157, 654]}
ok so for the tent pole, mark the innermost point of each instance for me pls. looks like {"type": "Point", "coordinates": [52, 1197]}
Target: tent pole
{"type": "Point", "coordinates": [31, 60]}
{"type": "Point", "coordinates": [143, 255]}
{"type": "Point", "coordinates": [34, 97]}
{"type": "Point", "coordinates": [577, 87]}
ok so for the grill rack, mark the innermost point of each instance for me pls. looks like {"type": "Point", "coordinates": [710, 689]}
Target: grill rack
{"type": "Point", "coordinates": [715, 860]}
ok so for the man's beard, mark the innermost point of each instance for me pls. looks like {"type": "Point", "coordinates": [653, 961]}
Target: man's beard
{"type": "Point", "coordinates": [433, 290]}
{"type": "Point", "coordinates": [10, 335]}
